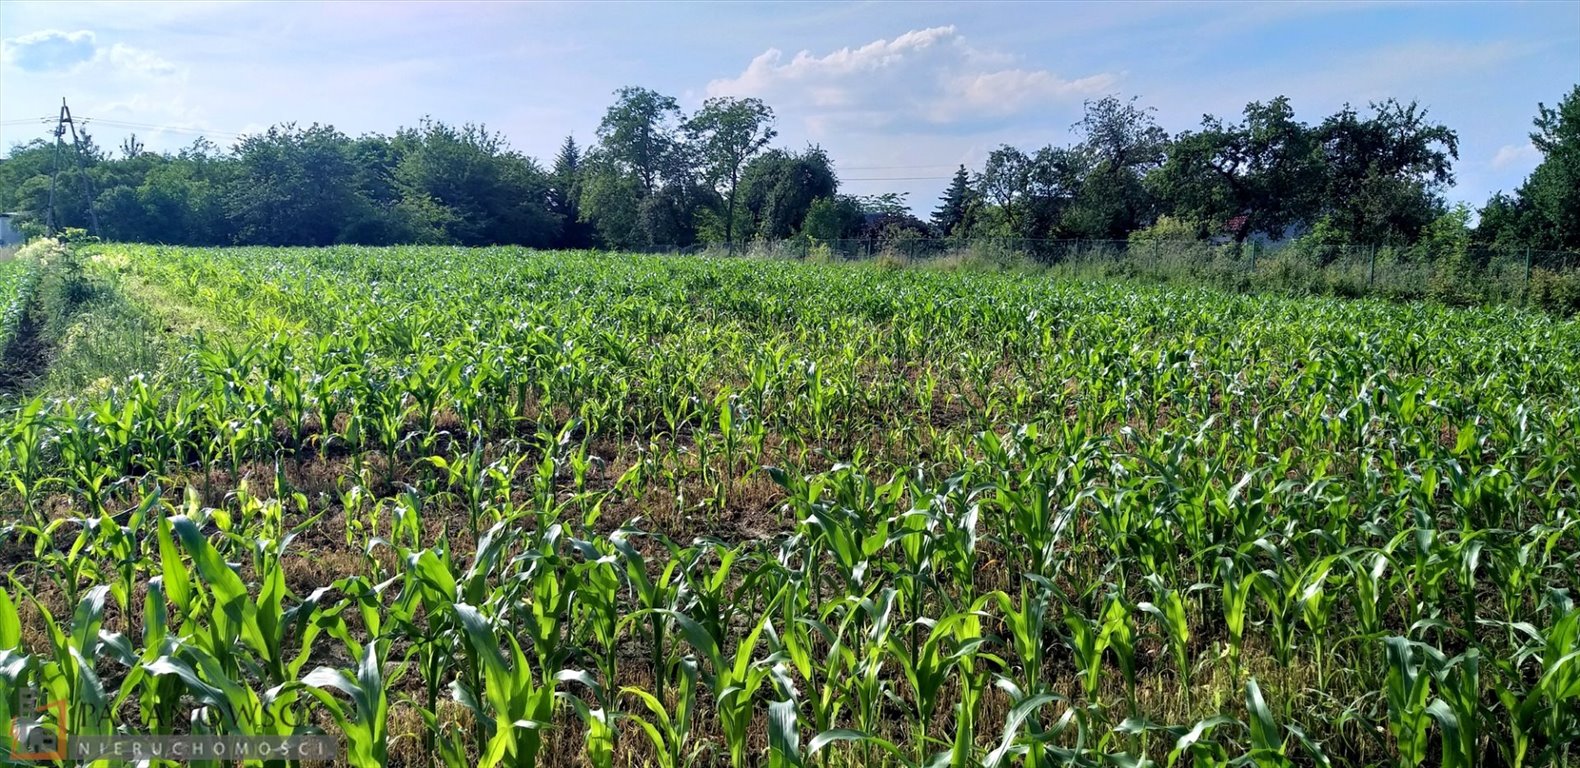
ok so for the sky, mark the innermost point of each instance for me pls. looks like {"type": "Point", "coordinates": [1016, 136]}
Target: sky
{"type": "Point", "coordinates": [898, 93]}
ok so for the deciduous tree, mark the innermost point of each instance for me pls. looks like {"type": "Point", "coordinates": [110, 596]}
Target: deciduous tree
{"type": "Point", "coordinates": [727, 132]}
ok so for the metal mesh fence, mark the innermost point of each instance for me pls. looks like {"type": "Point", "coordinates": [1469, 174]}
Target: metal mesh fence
{"type": "Point", "coordinates": [1478, 274]}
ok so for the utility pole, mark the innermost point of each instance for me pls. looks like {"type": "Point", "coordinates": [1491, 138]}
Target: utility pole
{"type": "Point", "coordinates": [63, 124]}
{"type": "Point", "coordinates": [54, 173]}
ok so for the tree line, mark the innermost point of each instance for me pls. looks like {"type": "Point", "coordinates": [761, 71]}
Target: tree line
{"type": "Point", "coordinates": [656, 176]}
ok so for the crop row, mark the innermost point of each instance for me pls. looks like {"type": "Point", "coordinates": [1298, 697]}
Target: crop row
{"type": "Point", "coordinates": [17, 279]}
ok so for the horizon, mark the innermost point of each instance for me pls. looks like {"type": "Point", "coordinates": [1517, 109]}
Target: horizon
{"type": "Point", "coordinates": [899, 95]}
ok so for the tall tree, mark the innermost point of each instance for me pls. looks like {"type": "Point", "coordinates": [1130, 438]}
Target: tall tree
{"type": "Point", "coordinates": [832, 218]}
{"type": "Point", "coordinates": [728, 132]}
{"type": "Point", "coordinates": [953, 206]}
{"type": "Point", "coordinates": [1553, 189]}
{"type": "Point", "coordinates": [1122, 136]}
{"type": "Point", "coordinates": [296, 186]}
{"type": "Point", "coordinates": [1053, 187]}
{"type": "Point", "coordinates": [1264, 173]}
{"type": "Point", "coordinates": [481, 191]}
{"type": "Point", "coordinates": [638, 134]}
{"type": "Point", "coordinates": [565, 195]}
{"type": "Point", "coordinates": [641, 186]}
{"type": "Point", "coordinates": [1005, 181]}
{"type": "Point", "coordinates": [777, 189]}
{"type": "Point", "coordinates": [1122, 142]}
{"type": "Point", "coordinates": [1385, 172]}
{"type": "Point", "coordinates": [610, 200]}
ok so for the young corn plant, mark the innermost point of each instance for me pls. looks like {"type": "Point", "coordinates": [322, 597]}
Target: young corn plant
{"type": "Point", "coordinates": [1410, 714]}
{"type": "Point", "coordinates": [520, 704]}
{"type": "Point", "coordinates": [733, 679]}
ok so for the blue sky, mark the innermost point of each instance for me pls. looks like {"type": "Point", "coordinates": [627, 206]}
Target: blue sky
{"type": "Point", "coordinates": [899, 93]}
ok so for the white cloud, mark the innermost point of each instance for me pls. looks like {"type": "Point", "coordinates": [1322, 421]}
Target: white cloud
{"type": "Point", "coordinates": [1515, 155]}
{"type": "Point", "coordinates": [1008, 91]}
{"type": "Point", "coordinates": [110, 85]}
{"type": "Point", "coordinates": [48, 50]}
{"type": "Point", "coordinates": [129, 60]}
{"type": "Point", "coordinates": [928, 76]}
{"type": "Point", "coordinates": [53, 52]}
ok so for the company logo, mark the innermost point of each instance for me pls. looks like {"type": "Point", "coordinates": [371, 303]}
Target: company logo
{"type": "Point", "coordinates": [31, 737]}
{"type": "Point", "coordinates": [38, 734]}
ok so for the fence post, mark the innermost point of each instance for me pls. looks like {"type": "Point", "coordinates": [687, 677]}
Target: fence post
{"type": "Point", "coordinates": [1254, 249]}
{"type": "Point", "coordinates": [1527, 293]}
{"type": "Point", "coordinates": [1371, 270]}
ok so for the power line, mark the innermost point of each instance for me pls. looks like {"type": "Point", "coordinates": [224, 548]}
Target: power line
{"type": "Point", "coordinates": [897, 167]}
{"type": "Point", "coordinates": [86, 122]}
{"type": "Point", "coordinates": [114, 123]}
{"type": "Point", "coordinates": [901, 178]}
{"type": "Point", "coordinates": [152, 127]}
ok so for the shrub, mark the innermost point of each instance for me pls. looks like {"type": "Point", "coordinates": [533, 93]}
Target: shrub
{"type": "Point", "coordinates": [1556, 292]}
{"type": "Point", "coordinates": [1168, 229]}
{"type": "Point", "coordinates": [1324, 243]}
{"type": "Point", "coordinates": [889, 258]}
{"type": "Point", "coordinates": [1455, 280]}
{"type": "Point", "coordinates": [1290, 271]}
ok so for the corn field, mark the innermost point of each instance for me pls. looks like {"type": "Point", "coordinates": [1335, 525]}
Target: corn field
{"type": "Point", "coordinates": [497, 507]}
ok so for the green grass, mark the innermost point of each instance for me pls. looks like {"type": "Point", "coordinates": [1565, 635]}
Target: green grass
{"type": "Point", "coordinates": [17, 278]}
{"type": "Point", "coordinates": [496, 506]}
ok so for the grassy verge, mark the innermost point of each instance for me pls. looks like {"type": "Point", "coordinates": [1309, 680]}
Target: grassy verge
{"type": "Point", "coordinates": [84, 327]}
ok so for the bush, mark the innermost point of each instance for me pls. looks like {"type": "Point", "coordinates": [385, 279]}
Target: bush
{"type": "Point", "coordinates": [1289, 271]}
{"type": "Point", "coordinates": [1556, 292]}
{"type": "Point", "coordinates": [64, 285]}
{"type": "Point", "coordinates": [1325, 242]}
{"type": "Point", "coordinates": [888, 258]}
{"type": "Point", "coordinates": [1446, 238]}
{"type": "Point", "coordinates": [74, 236]}
{"type": "Point", "coordinates": [1168, 229]}
{"type": "Point", "coordinates": [1455, 280]}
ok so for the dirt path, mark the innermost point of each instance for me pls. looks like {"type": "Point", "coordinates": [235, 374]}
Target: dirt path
{"type": "Point", "coordinates": [26, 359]}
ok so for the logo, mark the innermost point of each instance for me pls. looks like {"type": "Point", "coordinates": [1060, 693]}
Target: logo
{"type": "Point", "coordinates": [38, 734]}
{"type": "Point", "coordinates": [31, 737]}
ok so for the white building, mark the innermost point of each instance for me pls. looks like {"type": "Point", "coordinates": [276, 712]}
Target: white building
{"type": "Point", "coordinates": [9, 234]}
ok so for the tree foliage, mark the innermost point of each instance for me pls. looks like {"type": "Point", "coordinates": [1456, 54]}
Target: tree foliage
{"type": "Point", "coordinates": [955, 207]}
{"type": "Point", "coordinates": [295, 186]}
{"type": "Point", "coordinates": [778, 188]}
{"type": "Point", "coordinates": [1545, 211]}
{"type": "Point", "coordinates": [1386, 173]}
{"type": "Point", "coordinates": [1264, 173]}
{"type": "Point", "coordinates": [657, 177]}
{"type": "Point", "coordinates": [638, 135]}
{"type": "Point", "coordinates": [727, 132]}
